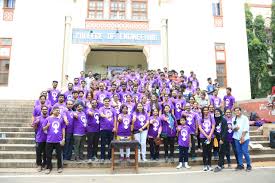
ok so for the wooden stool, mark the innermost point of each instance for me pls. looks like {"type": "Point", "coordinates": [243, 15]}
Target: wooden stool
{"type": "Point", "coordinates": [122, 144]}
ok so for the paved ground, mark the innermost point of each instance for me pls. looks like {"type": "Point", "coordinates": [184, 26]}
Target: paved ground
{"type": "Point", "coordinates": [158, 175]}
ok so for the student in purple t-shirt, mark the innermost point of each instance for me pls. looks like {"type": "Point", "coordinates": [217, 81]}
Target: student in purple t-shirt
{"type": "Point", "coordinates": [123, 93]}
{"type": "Point", "coordinates": [69, 93]}
{"type": "Point", "coordinates": [215, 100]}
{"type": "Point", "coordinates": [115, 103]}
{"type": "Point", "coordinates": [179, 104]}
{"type": "Point", "coordinates": [167, 101]}
{"type": "Point", "coordinates": [140, 126]}
{"type": "Point", "coordinates": [184, 141]}
{"type": "Point", "coordinates": [40, 138]}
{"type": "Point", "coordinates": [92, 131]}
{"type": "Point", "coordinates": [228, 100]}
{"type": "Point", "coordinates": [108, 120]}
{"type": "Point", "coordinates": [229, 119]}
{"type": "Point", "coordinates": [130, 105]}
{"type": "Point", "coordinates": [154, 104]}
{"type": "Point", "coordinates": [76, 84]}
{"type": "Point", "coordinates": [192, 121]}
{"type": "Point", "coordinates": [55, 127]}
{"type": "Point", "coordinates": [168, 133]}
{"type": "Point", "coordinates": [68, 147]}
{"type": "Point", "coordinates": [153, 133]}
{"type": "Point", "coordinates": [79, 131]}
{"type": "Point", "coordinates": [101, 94]}
{"type": "Point", "coordinates": [60, 104]}
{"type": "Point", "coordinates": [207, 127]}
{"type": "Point", "coordinates": [53, 93]}
{"type": "Point", "coordinates": [47, 102]}
{"type": "Point", "coordinates": [37, 110]}
{"type": "Point", "coordinates": [124, 125]}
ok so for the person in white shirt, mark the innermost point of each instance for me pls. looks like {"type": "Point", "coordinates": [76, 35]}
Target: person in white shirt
{"type": "Point", "coordinates": [241, 137]}
{"type": "Point", "coordinates": [89, 79]}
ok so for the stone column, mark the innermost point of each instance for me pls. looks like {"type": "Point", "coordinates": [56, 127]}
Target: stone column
{"type": "Point", "coordinates": [164, 42]}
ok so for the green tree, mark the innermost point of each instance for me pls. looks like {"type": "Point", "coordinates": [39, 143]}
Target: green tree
{"type": "Point", "coordinates": [258, 55]}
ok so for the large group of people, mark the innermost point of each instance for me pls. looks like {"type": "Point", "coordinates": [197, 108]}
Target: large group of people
{"type": "Point", "coordinates": [151, 107]}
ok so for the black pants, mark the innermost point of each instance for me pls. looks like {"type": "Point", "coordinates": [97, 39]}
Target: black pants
{"type": "Point", "coordinates": [93, 138]}
{"type": "Point", "coordinates": [234, 151]}
{"type": "Point", "coordinates": [106, 138]}
{"type": "Point", "coordinates": [79, 142]}
{"type": "Point", "coordinates": [183, 154]}
{"type": "Point", "coordinates": [169, 141]}
{"type": "Point", "coordinates": [207, 151]}
{"type": "Point", "coordinates": [199, 140]}
{"type": "Point", "coordinates": [41, 149]}
{"type": "Point", "coordinates": [154, 149]}
{"type": "Point", "coordinates": [49, 149]}
{"type": "Point", "coordinates": [193, 147]}
{"type": "Point", "coordinates": [222, 152]}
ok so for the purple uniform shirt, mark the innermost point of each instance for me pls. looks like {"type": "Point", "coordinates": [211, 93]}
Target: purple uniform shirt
{"type": "Point", "coordinates": [69, 114]}
{"type": "Point", "coordinates": [68, 95]}
{"type": "Point", "coordinates": [53, 96]}
{"type": "Point", "coordinates": [184, 135]}
{"type": "Point", "coordinates": [131, 107]}
{"type": "Point", "coordinates": [62, 108]}
{"type": "Point", "coordinates": [93, 121]}
{"type": "Point", "coordinates": [179, 103]}
{"type": "Point", "coordinates": [40, 135]}
{"type": "Point", "coordinates": [141, 120]}
{"type": "Point", "coordinates": [230, 130]}
{"type": "Point", "coordinates": [191, 118]}
{"type": "Point", "coordinates": [124, 127]}
{"type": "Point", "coordinates": [123, 95]}
{"type": "Point", "coordinates": [37, 103]}
{"type": "Point", "coordinates": [216, 101]}
{"type": "Point", "coordinates": [229, 101]}
{"type": "Point", "coordinates": [54, 132]}
{"type": "Point", "coordinates": [80, 124]}
{"type": "Point", "coordinates": [168, 130]}
{"type": "Point", "coordinates": [107, 123]}
{"type": "Point", "coordinates": [154, 128]}
{"type": "Point", "coordinates": [170, 103]}
{"type": "Point", "coordinates": [206, 125]}
{"type": "Point", "coordinates": [100, 95]}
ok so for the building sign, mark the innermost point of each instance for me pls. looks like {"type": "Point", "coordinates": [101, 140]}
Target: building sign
{"type": "Point", "coordinates": [85, 36]}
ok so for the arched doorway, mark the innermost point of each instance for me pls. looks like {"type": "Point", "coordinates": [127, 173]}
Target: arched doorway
{"type": "Point", "coordinates": [102, 59]}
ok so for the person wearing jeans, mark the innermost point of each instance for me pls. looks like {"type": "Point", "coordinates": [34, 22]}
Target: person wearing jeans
{"type": "Point", "coordinates": [241, 138]}
{"type": "Point", "coordinates": [92, 131]}
{"type": "Point", "coordinates": [140, 124]}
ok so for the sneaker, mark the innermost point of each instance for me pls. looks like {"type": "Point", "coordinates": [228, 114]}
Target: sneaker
{"type": "Point", "coordinates": [90, 160]}
{"type": "Point", "coordinates": [217, 169]}
{"type": "Point", "coordinates": [59, 170]}
{"type": "Point", "coordinates": [47, 171]}
{"type": "Point", "coordinates": [249, 168]}
{"type": "Point", "coordinates": [166, 160]}
{"type": "Point", "coordinates": [144, 160]}
{"type": "Point", "coordinates": [239, 167]}
{"type": "Point", "coordinates": [39, 168]}
{"type": "Point", "coordinates": [179, 166]}
{"type": "Point", "coordinates": [205, 168]}
{"type": "Point", "coordinates": [186, 165]}
{"type": "Point", "coordinates": [209, 168]}
{"type": "Point", "coordinates": [95, 159]}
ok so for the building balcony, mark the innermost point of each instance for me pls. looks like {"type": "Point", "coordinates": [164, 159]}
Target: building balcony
{"type": "Point", "coordinates": [116, 24]}
{"type": "Point", "coordinates": [8, 14]}
{"type": "Point", "coordinates": [218, 21]}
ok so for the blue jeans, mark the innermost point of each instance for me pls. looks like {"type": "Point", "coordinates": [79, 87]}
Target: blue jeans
{"type": "Point", "coordinates": [242, 149]}
{"type": "Point", "coordinates": [68, 147]}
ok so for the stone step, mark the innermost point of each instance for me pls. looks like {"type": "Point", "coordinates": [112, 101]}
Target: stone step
{"type": "Point", "coordinates": [19, 120]}
{"type": "Point", "coordinates": [16, 129]}
{"type": "Point", "coordinates": [17, 109]}
{"type": "Point", "coordinates": [255, 133]}
{"type": "Point", "coordinates": [18, 134]}
{"type": "Point", "coordinates": [30, 163]}
{"type": "Point", "coordinates": [15, 124]}
{"type": "Point", "coordinates": [6, 115]}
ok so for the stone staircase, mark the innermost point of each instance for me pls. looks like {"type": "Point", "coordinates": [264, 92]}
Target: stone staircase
{"type": "Point", "coordinates": [17, 146]}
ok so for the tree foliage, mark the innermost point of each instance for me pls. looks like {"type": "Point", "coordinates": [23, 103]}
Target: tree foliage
{"type": "Point", "coordinates": [272, 26]}
{"type": "Point", "coordinates": [258, 55]}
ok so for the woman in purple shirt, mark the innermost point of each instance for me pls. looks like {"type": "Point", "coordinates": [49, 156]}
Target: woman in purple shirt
{"type": "Point", "coordinates": [207, 127]}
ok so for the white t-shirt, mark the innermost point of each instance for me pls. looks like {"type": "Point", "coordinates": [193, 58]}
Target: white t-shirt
{"type": "Point", "coordinates": [243, 123]}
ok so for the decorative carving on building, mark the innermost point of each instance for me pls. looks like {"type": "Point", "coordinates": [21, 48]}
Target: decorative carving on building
{"type": "Point", "coordinates": [218, 21]}
{"type": "Point", "coordinates": [116, 24]}
{"type": "Point", "coordinates": [8, 14]}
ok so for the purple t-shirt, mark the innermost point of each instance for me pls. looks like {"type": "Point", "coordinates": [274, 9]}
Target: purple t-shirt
{"type": "Point", "coordinates": [62, 108]}
{"type": "Point", "coordinates": [37, 103]}
{"type": "Point", "coordinates": [93, 121]}
{"type": "Point", "coordinates": [207, 125]}
{"type": "Point", "coordinates": [168, 130]}
{"type": "Point", "coordinates": [191, 118]}
{"type": "Point", "coordinates": [54, 132]}
{"type": "Point", "coordinates": [131, 107]}
{"type": "Point", "coordinates": [170, 103]}
{"type": "Point", "coordinates": [124, 127]}
{"type": "Point", "coordinates": [184, 136]}
{"type": "Point", "coordinates": [123, 95]}
{"type": "Point", "coordinates": [216, 101]}
{"type": "Point", "coordinates": [69, 114]}
{"type": "Point", "coordinates": [153, 106]}
{"type": "Point", "coordinates": [80, 124]}
{"type": "Point", "coordinates": [68, 95]}
{"type": "Point", "coordinates": [40, 135]}
{"type": "Point", "coordinates": [179, 103]}
{"type": "Point", "coordinates": [154, 128]}
{"type": "Point", "coordinates": [141, 120]}
{"type": "Point", "coordinates": [100, 95]}
{"type": "Point", "coordinates": [136, 96]}
{"type": "Point", "coordinates": [37, 111]}
{"type": "Point", "coordinates": [107, 123]}
{"type": "Point", "coordinates": [53, 96]}
{"type": "Point", "coordinates": [230, 130]}
{"type": "Point", "coordinates": [228, 102]}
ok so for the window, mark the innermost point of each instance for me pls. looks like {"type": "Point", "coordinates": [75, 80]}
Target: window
{"type": "Point", "coordinates": [216, 8]}
{"type": "Point", "coordinates": [5, 50]}
{"type": "Point", "coordinates": [95, 9]}
{"type": "Point", "coordinates": [221, 64]}
{"type": "Point", "coordinates": [9, 3]}
{"type": "Point", "coordinates": [117, 9]}
{"type": "Point", "coordinates": [139, 10]}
